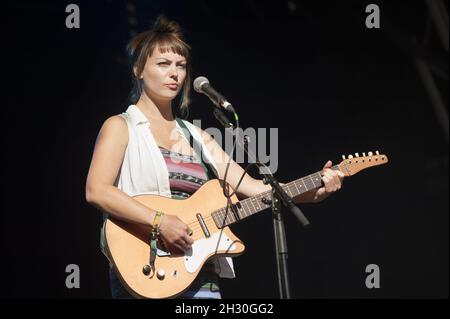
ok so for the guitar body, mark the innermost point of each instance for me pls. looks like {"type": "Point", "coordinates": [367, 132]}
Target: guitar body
{"type": "Point", "coordinates": [127, 244]}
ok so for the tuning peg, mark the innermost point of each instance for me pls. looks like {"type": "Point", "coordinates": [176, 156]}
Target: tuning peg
{"type": "Point", "coordinates": [378, 153]}
{"type": "Point", "coordinates": [350, 156]}
{"type": "Point", "coordinates": [370, 154]}
{"type": "Point", "coordinates": [343, 157]}
{"type": "Point", "coordinates": [357, 154]}
{"type": "Point", "coordinates": [364, 154]}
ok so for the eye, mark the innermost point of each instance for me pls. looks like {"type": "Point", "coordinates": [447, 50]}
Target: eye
{"type": "Point", "coordinates": [182, 66]}
{"type": "Point", "coordinates": [163, 63]}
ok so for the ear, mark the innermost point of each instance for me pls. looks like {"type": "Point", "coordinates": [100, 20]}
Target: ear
{"type": "Point", "coordinates": [135, 73]}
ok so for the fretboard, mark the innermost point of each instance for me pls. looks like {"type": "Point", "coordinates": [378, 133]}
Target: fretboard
{"type": "Point", "coordinates": [226, 216]}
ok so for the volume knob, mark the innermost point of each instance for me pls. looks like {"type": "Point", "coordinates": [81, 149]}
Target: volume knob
{"type": "Point", "coordinates": [161, 274]}
{"type": "Point", "coordinates": [146, 270]}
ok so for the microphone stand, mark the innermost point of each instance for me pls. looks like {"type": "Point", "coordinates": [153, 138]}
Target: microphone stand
{"type": "Point", "coordinates": [279, 196]}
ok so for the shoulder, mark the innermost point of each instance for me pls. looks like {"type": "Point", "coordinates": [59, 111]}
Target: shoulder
{"type": "Point", "coordinates": [115, 122]}
{"type": "Point", "coordinates": [115, 127]}
{"type": "Point", "coordinates": [206, 137]}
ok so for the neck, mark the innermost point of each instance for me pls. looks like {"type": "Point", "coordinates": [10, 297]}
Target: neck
{"type": "Point", "coordinates": [154, 109]}
{"type": "Point", "coordinates": [233, 213]}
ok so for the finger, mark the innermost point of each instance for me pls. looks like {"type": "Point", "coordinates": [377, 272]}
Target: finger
{"type": "Point", "coordinates": [329, 184]}
{"type": "Point", "coordinates": [321, 191]}
{"type": "Point", "coordinates": [182, 245]}
{"type": "Point", "coordinates": [336, 185]}
{"type": "Point", "coordinates": [188, 233]}
{"type": "Point", "coordinates": [329, 171]}
{"type": "Point", "coordinates": [328, 164]}
{"type": "Point", "coordinates": [179, 250]}
{"type": "Point", "coordinates": [340, 176]}
{"type": "Point", "coordinates": [175, 248]}
{"type": "Point", "coordinates": [188, 240]}
{"type": "Point", "coordinates": [329, 176]}
{"type": "Point", "coordinates": [329, 187]}
{"type": "Point", "coordinates": [337, 180]}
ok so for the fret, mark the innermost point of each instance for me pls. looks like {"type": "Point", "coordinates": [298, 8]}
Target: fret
{"type": "Point", "coordinates": [221, 219]}
{"type": "Point", "coordinates": [229, 219]}
{"type": "Point", "coordinates": [308, 182]}
{"type": "Point", "coordinates": [253, 204]}
{"type": "Point", "coordinates": [288, 191]}
{"type": "Point", "coordinates": [259, 202]}
{"type": "Point", "coordinates": [224, 217]}
{"type": "Point", "coordinates": [304, 184]}
{"type": "Point", "coordinates": [317, 179]}
{"type": "Point", "coordinates": [311, 182]}
{"type": "Point", "coordinates": [301, 186]}
{"type": "Point", "coordinates": [251, 207]}
{"type": "Point", "coordinates": [295, 185]}
{"type": "Point", "coordinates": [247, 210]}
{"type": "Point", "coordinates": [216, 218]}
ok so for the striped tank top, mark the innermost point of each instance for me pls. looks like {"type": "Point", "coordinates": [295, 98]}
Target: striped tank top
{"type": "Point", "coordinates": [186, 175]}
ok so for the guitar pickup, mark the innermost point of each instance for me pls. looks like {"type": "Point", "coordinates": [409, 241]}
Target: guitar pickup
{"type": "Point", "coordinates": [202, 223]}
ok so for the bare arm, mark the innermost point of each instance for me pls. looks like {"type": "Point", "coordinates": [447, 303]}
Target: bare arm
{"type": "Point", "coordinates": [250, 186]}
{"type": "Point", "coordinates": [105, 164]}
{"type": "Point", "coordinates": [100, 190]}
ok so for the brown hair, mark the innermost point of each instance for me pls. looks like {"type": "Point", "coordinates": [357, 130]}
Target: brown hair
{"type": "Point", "coordinates": [167, 35]}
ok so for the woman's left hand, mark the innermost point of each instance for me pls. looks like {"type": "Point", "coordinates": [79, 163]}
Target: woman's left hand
{"type": "Point", "coordinates": [332, 180]}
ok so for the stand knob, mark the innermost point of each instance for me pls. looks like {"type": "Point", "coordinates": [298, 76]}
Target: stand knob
{"type": "Point", "coordinates": [161, 274]}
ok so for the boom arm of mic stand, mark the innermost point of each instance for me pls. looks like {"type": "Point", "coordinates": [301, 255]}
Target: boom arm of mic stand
{"type": "Point", "coordinates": [222, 118]}
{"type": "Point", "coordinates": [268, 177]}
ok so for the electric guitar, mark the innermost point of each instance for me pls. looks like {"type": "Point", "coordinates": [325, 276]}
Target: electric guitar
{"type": "Point", "coordinates": [209, 214]}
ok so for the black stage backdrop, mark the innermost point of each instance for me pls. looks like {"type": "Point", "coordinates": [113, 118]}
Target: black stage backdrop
{"type": "Point", "coordinates": [309, 68]}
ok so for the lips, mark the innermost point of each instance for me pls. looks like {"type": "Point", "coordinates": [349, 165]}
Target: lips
{"type": "Point", "coordinates": [172, 86]}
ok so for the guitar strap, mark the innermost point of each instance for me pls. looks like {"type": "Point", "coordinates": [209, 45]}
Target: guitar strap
{"type": "Point", "coordinates": [198, 150]}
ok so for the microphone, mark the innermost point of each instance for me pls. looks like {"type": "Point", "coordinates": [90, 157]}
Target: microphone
{"type": "Point", "coordinates": [201, 85]}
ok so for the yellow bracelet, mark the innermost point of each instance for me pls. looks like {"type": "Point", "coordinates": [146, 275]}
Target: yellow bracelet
{"type": "Point", "coordinates": [157, 221]}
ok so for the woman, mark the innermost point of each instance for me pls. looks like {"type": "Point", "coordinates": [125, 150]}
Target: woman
{"type": "Point", "coordinates": [143, 151]}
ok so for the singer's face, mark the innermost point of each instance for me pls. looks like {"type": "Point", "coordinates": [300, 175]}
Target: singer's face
{"type": "Point", "coordinates": [164, 74]}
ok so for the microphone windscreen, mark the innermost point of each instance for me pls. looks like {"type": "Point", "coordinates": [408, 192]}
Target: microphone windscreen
{"type": "Point", "coordinates": [198, 82]}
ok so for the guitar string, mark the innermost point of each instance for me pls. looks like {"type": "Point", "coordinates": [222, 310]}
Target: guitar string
{"type": "Point", "coordinates": [197, 226]}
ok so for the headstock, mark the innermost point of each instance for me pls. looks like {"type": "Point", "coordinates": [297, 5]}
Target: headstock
{"type": "Point", "coordinates": [355, 163]}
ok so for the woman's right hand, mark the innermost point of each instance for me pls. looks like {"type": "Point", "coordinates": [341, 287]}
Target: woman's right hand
{"type": "Point", "coordinates": [175, 234]}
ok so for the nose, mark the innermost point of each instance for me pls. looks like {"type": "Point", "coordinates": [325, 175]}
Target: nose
{"type": "Point", "coordinates": [174, 73]}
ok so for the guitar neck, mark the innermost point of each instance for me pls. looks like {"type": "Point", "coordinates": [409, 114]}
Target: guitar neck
{"type": "Point", "coordinates": [236, 212]}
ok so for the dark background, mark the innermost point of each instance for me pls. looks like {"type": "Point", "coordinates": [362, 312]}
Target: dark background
{"type": "Point", "coordinates": [331, 87]}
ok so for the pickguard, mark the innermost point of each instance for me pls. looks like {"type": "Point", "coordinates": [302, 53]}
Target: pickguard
{"type": "Point", "coordinates": [203, 247]}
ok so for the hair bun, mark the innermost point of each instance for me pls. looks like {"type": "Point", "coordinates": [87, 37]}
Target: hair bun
{"type": "Point", "coordinates": [164, 25]}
